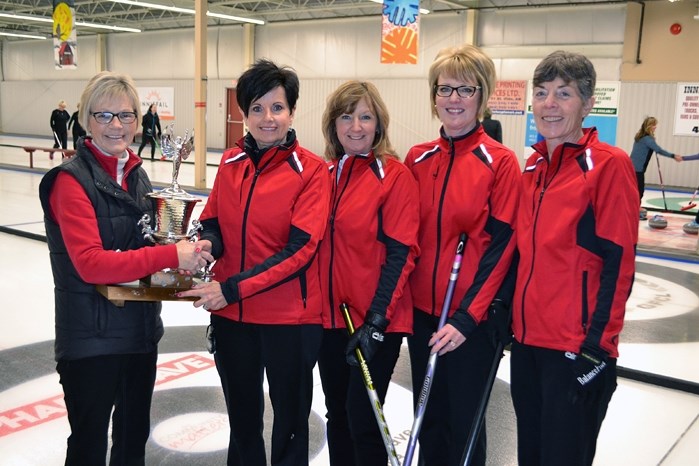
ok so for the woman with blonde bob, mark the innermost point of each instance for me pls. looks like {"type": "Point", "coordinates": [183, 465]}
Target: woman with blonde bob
{"type": "Point", "coordinates": [469, 183]}
{"type": "Point", "coordinates": [374, 205]}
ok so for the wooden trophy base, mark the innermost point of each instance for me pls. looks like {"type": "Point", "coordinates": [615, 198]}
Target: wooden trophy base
{"type": "Point", "coordinates": [160, 286]}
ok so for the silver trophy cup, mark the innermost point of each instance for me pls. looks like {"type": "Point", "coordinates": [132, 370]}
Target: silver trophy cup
{"type": "Point", "coordinates": [173, 208]}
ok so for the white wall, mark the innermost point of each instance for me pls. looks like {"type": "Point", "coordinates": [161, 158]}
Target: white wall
{"type": "Point", "coordinates": [326, 53]}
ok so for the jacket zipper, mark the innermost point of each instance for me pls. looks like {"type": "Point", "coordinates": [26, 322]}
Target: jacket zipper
{"type": "Point", "coordinates": [331, 221]}
{"type": "Point", "coordinates": [452, 156]}
{"type": "Point", "coordinates": [243, 240]}
{"type": "Point", "coordinates": [544, 185]}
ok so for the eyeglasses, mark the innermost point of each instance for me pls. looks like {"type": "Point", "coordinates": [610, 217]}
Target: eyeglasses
{"type": "Point", "coordinates": [105, 118]}
{"type": "Point", "coordinates": [466, 92]}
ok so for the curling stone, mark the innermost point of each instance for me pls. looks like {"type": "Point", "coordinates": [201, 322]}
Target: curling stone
{"type": "Point", "coordinates": [657, 222]}
{"type": "Point", "coordinates": [691, 228]}
{"type": "Point", "coordinates": [643, 214]}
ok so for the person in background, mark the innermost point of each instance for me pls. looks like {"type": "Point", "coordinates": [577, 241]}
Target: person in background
{"type": "Point", "coordinates": [265, 217]}
{"type": "Point", "coordinates": [643, 147]}
{"type": "Point", "coordinates": [577, 228]}
{"type": "Point", "coordinates": [151, 130]}
{"type": "Point", "coordinates": [59, 126]}
{"type": "Point", "coordinates": [468, 183]}
{"type": "Point", "coordinates": [106, 353]}
{"type": "Point", "coordinates": [78, 130]}
{"type": "Point", "coordinates": [374, 204]}
{"type": "Point", "coordinates": [492, 128]}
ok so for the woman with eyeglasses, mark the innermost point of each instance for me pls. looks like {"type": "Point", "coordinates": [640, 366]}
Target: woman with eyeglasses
{"type": "Point", "coordinates": [469, 183]}
{"type": "Point", "coordinates": [92, 204]}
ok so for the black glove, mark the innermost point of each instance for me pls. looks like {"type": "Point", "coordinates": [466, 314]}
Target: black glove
{"type": "Point", "coordinates": [588, 366]}
{"type": "Point", "coordinates": [500, 318]}
{"type": "Point", "coordinates": [367, 338]}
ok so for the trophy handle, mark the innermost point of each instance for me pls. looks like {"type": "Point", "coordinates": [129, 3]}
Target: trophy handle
{"type": "Point", "coordinates": [196, 226]}
{"type": "Point", "coordinates": [146, 229]}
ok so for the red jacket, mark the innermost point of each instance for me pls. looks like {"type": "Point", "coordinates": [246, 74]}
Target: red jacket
{"type": "Point", "coordinates": [370, 244]}
{"type": "Point", "coordinates": [467, 185]}
{"type": "Point", "coordinates": [268, 218]}
{"type": "Point", "coordinates": [577, 229]}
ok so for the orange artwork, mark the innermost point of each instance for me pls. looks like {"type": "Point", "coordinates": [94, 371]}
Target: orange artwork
{"type": "Point", "coordinates": [400, 46]}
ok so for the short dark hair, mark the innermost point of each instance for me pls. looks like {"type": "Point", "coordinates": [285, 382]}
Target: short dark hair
{"type": "Point", "coordinates": [571, 67]}
{"type": "Point", "coordinates": [261, 78]}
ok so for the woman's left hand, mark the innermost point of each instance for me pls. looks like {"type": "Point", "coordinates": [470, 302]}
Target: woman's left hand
{"type": "Point", "coordinates": [210, 296]}
{"type": "Point", "coordinates": [446, 339]}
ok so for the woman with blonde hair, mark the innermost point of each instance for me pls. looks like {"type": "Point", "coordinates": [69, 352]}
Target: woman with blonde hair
{"type": "Point", "coordinates": [374, 204]}
{"type": "Point", "coordinates": [643, 147]}
{"type": "Point", "coordinates": [468, 183]}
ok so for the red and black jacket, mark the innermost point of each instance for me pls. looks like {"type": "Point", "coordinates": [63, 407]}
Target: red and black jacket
{"type": "Point", "coordinates": [577, 230]}
{"type": "Point", "coordinates": [265, 216]}
{"type": "Point", "coordinates": [370, 244]}
{"type": "Point", "coordinates": [467, 185]}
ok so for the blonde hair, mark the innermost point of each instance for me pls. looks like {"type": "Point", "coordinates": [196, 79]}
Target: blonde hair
{"type": "Point", "coordinates": [647, 128]}
{"type": "Point", "coordinates": [344, 100]}
{"type": "Point", "coordinates": [465, 63]}
{"type": "Point", "coordinates": [104, 86]}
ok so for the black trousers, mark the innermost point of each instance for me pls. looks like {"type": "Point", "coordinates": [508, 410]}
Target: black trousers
{"type": "Point", "coordinates": [556, 422]}
{"type": "Point", "coordinates": [147, 140]}
{"type": "Point", "coordinates": [287, 353]}
{"type": "Point", "coordinates": [92, 387]}
{"type": "Point", "coordinates": [641, 182]}
{"type": "Point", "coordinates": [60, 139]}
{"type": "Point", "coordinates": [457, 387]}
{"type": "Point", "coordinates": [353, 434]}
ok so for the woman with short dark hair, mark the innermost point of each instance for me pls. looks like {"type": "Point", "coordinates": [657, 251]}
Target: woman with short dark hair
{"type": "Point", "coordinates": [265, 217]}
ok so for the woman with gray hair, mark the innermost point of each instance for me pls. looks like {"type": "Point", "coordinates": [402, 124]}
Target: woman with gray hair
{"type": "Point", "coordinates": [577, 228]}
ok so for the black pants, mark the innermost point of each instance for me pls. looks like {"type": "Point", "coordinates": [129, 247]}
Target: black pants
{"type": "Point", "coordinates": [287, 353]}
{"type": "Point", "coordinates": [353, 434]}
{"type": "Point", "coordinates": [60, 139]}
{"type": "Point", "coordinates": [77, 136]}
{"type": "Point", "coordinates": [457, 388]}
{"type": "Point", "coordinates": [145, 139]}
{"type": "Point", "coordinates": [92, 387]}
{"type": "Point", "coordinates": [556, 422]}
{"type": "Point", "coordinates": [641, 182]}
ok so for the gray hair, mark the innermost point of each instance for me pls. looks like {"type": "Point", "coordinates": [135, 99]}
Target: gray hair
{"type": "Point", "coordinates": [571, 67]}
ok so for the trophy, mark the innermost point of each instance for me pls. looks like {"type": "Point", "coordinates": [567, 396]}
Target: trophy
{"type": "Point", "coordinates": [173, 207]}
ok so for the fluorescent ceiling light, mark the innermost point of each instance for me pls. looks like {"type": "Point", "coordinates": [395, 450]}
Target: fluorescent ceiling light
{"type": "Point", "coordinates": [28, 18]}
{"type": "Point", "coordinates": [188, 11]}
{"type": "Point", "coordinates": [26, 36]}
{"type": "Point", "coordinates": [104, 26]}
{"type": "Point", "coordinates": [235, 18]}
{"type": "Point", "coordinates": [41, 19]}
{"type": "Point", "coordinates": [422, 10]}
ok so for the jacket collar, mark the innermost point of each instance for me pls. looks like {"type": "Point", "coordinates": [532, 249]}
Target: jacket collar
{"type": "Point", "coordinates": [568, 149]}
{"type": "Point", "coordinates": [262, 157]}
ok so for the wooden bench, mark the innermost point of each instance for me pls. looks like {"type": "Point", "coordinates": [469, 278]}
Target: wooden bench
{"type": "Point", "coordinates": [31, 149]}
